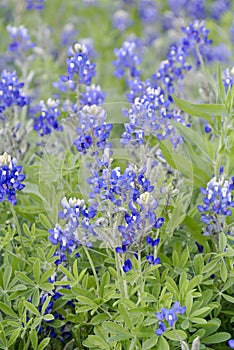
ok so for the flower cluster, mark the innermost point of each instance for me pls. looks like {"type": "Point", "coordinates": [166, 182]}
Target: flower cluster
{"type": "Point", "coordinates": [218, 201]}
{"type": "Point", "coordinates": [128, 57]}
{"type": "Point", "coordinates": [77, 228]}
{"type": "Point", "coordinates": [35, 4]}
{"type": "Point", "coordinates": [228, 78]}
{"type": "Point", "coordinates": [147, 11]}
{"type": "Point", "coordinates": [20, 39]}
{"type": "Point", "coordinates": [92, 96]}
{"type": "Point", "coordinates": [129, 192]}
{"type": "Point", "coordinates": [10, 91]}
{"type": "Point", "coordinates": [218, 197]}
{"type": "Point", "coordinates": [92, 130]}
{"type": "Point", "coordinates": [48, 118]}
{"type": "Point", "coordinates": [78, 64]}
{"type": "Point", "coordinates": [10, 178]}
{"type": "Point", "coordinates": [170, 316]}
{"type": "Point", "coordinates": [121, 20]}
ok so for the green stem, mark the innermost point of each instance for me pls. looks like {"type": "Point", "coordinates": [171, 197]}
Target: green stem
{"type": "Point", "coordinates": [18, 228]}
{"type": "Point", "coordinates": [120, 280]}
{"type": "Point", "coordinates": [141, 291]}
{"type": "Point", "coordinates": [93, 268]}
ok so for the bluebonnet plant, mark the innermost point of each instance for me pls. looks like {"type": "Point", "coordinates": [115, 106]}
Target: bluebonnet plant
{"type": "Point", "coordinates": [193, 9]}
{"type": "Point", "coordinates": [219, 7]}
{"type": "Point", "coordinates": [93, 95]}
{"type": "Point", "coordinates": [121, 20]}
{"type": "Point", "coordinates": [228, 78]}
{"type": "Point", "coordinates": [217, 203]}
{"type": "Point", "coordinates": [35, 4]}
{"type": "Point", "coordinates": [92, 129]}
{"type": "Point", "coordinates": [147, 11]}
{"type": "Point", "coordinates": [231, 343]}
{"type": "Point", "coordinates": [127, 265]}
{"type": "Point", "coordinates": [168, 317]}
{"type": "Point", "coordinates": [10, 91]}
{"type": "Point", "coordinates": [11, 178]}
{"type": "Point", "coordinates": [80, 70]}
{"type": "Point", "coordinates": [21, 41]}
{"type": "Point", "coordinates": [129, 56]}
{"type": "Point", "coordinates": [79, 226]}
{"type": "Point", "coordinates": [47, 121]}
{"type": "Point", "coordinates": [79, 66]}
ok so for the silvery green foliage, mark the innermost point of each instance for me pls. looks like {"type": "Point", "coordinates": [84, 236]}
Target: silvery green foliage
{"type": "Point", "coordinates": [195, 345]}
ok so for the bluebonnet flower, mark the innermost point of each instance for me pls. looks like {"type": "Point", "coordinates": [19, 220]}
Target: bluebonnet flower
{"type": "Point", "coordinates": [152, 260]}
{"type": "Point", "coordinates": [10, 91]}
{"type": "Point", "coordinates": [68, 35]}
{"type": "Point", "coordinates": [219, 7]}
{"type": "Point", "coordinates": [129, 56]}
{"type": "Point", "coordinates": [127, 265]}
{"type": "Point", "coordinates": [48, 118]}
{"type": "Point", "coordinates": [78, 226]}
{"type": "Point", "coordinates": [228, 78]}
{"type": "Point", "coordinates": [79, 66]}
{"type": "Point", "coordinates": [149, 114]}
{"type": "Point", "coordinates": [92, 130]}
{"type": "Point", "coordinates": [151, 241]}
{"type": "Point", "coordinates": [218, 197]}
{"type": "Point", "coordinates": [21, 41]}
{"type": "Point", "coordinates": [35, 4]}
{"type": "Point", "coordinates": [231, 343]}
{"type": "Point", "coordinates": [193, 8]}
{"type": "Point", "coordinates": [147, 11]}
{"type": "Point", "coordinates": [196, 38]}
{"type": "Point", "coordinates": [80, 70]}
{"type": "Point", "coordinates": [121, 20]}
{"type": "Point", "coordinates": [10, 178]}
{"type": "Point", "coordinates": [92, 96]}
{"type": "Point", "coordinates": [170, 316]}
{"type": "Point", "coordinates": [207, 128]}
{"type": "Point", "coordinates": [218, 203]}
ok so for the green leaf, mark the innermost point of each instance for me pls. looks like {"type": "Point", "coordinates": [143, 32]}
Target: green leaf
{"type": "Point", "coordinates": [8, 311]}
{"type": "Point", "coordinates": [67, 272]}
{"type": "Point", "coordinates": [44, 221]}
{"type": "Point", "coordinates": [124, 313]}
{"type": "Point", "coordinates": [228, 298]}
{"type": "Point", "coordinates": [31, 308]}
{"type": "Point", "coordinates": [47, 274]}
{"type": "Point", "coordinates": [98, 319]}
{"type": "Point", "coordinates": [192, 137]}
{"type": "Point", "coordinates": [48, 317]}
{"type": "Point", "coordinates": [112, 327]}
{"type": "Point", "coordinates": [196, 345]}
{"type": "Point", "coordinates": [43, 343]}
{"type": "Point", "coordinates": [221, 87]}
{"type": "Point", "coordinates": [14, 335]}
{"type": "Point", "coordinates": [197, 320]}
{"type": "Point", "coordinates": [46, 303]}
{"type": "Point", "coordinates": [163, 344]}
{"type": "Point", "coordinates": [149, 343]}
{"type": "Point", "coordinates": [37, 270]}
{"type": "Point", "coordinates": [23, 278]}
{"type": "Point", "coordinates": [216, 338]}
{"type": "Point", "coordinates": [205, 111]}
{"type": "Point", "coordinates": [96, 342]}
{"type": "Point", "coordinates": [175, 335]}
{"type": "Point", "coordinates": [201, 311]}
{"type": "Point", "coordinates": [223, 271]}
{"type": "Point", "coordinates": [222, 242]}
{"type": "Point", "coordinates": [7, 276]}
{"type": "Point", "coordinates": [34, 339]}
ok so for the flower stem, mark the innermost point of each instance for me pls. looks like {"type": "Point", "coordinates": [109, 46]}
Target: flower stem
{"type": "Point", "coordinates": [18, 228]}
{"type": "Point", "coordinates": [93, 268]}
